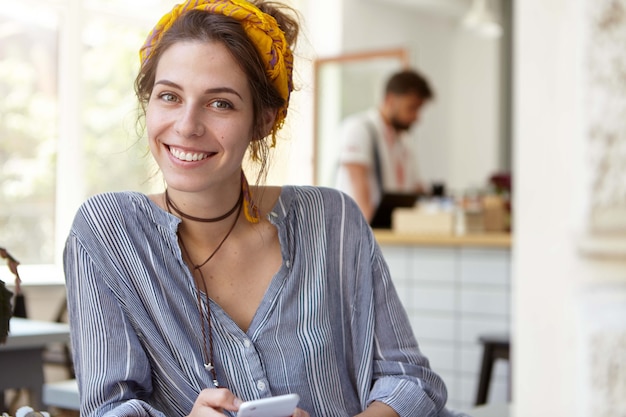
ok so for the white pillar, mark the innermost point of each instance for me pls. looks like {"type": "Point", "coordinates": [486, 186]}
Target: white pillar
{"type": "Point", "coordinates": [569, 267]}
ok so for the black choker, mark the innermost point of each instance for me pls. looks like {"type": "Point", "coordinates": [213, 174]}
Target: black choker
{"type": "Point", "coordinates": [170, 204]}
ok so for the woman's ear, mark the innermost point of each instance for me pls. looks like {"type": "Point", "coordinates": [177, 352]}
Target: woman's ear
{"type": "Point", "coordinates": [269, 118]}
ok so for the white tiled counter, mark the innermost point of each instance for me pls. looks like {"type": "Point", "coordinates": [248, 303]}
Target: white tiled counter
{"type": "Point", "coordinates": [454, 290]}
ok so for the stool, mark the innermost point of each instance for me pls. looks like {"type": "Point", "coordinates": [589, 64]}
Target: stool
{"type": "Point", "coordinates": [495, 346]}
{"type": "Point", "coordinates": [62, 394]}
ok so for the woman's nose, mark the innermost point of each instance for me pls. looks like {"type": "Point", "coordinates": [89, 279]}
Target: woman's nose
{"type": "Point", "coordinates": [190, 123]}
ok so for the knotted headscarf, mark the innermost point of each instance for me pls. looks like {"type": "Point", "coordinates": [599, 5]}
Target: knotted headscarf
{"type": "Point", "coordinates": [260, 27]}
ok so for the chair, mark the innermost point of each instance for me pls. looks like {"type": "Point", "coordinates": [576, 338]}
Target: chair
{"type": "Point", "coordinates": [495, 346]}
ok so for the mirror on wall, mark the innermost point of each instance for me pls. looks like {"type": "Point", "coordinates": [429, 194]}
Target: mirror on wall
{"type": "Point", "coordinates": [346, 84]}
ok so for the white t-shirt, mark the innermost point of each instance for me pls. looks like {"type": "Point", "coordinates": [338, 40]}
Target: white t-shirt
{"type": "Point", "coordinates": [398, 165]}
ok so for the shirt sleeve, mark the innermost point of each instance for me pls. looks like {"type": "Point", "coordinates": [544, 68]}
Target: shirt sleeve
{"type": "Point", "coordinates": [355, 142]}
{"type": "Point", "coordinates": [402, 377]}
{"type": "Point", "coordinates": [112, 369]}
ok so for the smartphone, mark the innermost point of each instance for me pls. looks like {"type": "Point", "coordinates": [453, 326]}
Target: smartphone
{"type": "Point", "coordinates": [278, 406]}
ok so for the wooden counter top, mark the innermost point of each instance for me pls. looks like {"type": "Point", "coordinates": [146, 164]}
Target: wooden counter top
{"type": "Point", "coordinates": [494, 240]}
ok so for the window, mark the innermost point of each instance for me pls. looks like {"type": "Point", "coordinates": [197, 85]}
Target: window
{"type": "Point", "coordinates": [68, 114]}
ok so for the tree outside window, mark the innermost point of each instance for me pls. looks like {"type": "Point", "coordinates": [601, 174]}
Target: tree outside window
{"type": "Point", "coordinates": [111, 155]}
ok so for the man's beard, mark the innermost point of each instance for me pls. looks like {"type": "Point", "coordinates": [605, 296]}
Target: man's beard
{"type": "Point", "coordinates": [399, 126]}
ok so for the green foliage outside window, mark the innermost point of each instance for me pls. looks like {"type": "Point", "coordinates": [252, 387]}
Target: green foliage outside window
{"type": "Point", "coordinates": [114, 156]}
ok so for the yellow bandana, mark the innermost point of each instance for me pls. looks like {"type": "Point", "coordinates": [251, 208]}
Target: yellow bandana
{"type": "Point", "coordinates": [260, 27]}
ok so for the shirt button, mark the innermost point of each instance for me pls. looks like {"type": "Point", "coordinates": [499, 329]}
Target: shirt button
{"type": "Point", "coordinates": [247, 343]}
{"type": "Point", "coordinates": [273, 214]}
{"type": "Point", "coordinates": [288, 263]}
{"type": "Point", "coordinates": [260, 385]}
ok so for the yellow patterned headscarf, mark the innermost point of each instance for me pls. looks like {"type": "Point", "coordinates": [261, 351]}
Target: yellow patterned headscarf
{"type": "Point", "coordinates": [260, 27]}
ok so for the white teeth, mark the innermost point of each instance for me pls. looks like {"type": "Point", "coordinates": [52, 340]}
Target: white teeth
{"type": "Point", "coordinates": [187, 156]}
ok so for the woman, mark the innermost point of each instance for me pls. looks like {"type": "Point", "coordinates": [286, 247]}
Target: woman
{"type": "Point", "coordinates": [213, 292]}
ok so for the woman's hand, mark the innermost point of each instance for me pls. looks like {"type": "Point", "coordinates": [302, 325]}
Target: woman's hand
{"type": "Point", "coordinates": [211, 402]}
{"type": "Point", "coordinates": [378, 409]}
{"type": "Point", "coordinates": [300, 413]}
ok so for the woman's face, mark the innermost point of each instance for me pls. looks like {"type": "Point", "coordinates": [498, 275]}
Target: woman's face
{"type": "Point", "coordinates": [199, 117]}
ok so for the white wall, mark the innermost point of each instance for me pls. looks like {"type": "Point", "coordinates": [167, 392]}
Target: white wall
{"type": "Point", "coordinates": [473, 148]}
{"type": "Point", "coordinates": [549, 168]}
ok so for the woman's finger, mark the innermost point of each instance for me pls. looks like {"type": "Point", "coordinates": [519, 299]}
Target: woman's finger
{"type": "Point", "coordinates": [300, 413]}
{"type": "Point", "coordinates": [212, 401]}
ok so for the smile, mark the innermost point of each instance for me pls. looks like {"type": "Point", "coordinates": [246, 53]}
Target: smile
{"type": "Point", "coordinates": [188, 156]}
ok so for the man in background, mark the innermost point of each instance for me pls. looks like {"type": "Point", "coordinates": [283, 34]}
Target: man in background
{"type": "Point", "coordinates": [376, 154]}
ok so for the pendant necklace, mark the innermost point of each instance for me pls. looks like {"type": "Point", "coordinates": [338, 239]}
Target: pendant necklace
{"type": "Point", "coordinates": [205, 316]}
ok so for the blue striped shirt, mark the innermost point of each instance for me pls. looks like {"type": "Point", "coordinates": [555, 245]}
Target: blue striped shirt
{"type": "Point", "coordinates": [330, 326]}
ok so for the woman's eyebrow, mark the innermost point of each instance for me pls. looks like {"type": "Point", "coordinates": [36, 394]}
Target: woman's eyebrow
{"type": "Point", "coordinates": [168, 83]}
{"type": "Point", "coordinates": [207, 91]}
{"type": "Point", "coordinates": [222, 90]}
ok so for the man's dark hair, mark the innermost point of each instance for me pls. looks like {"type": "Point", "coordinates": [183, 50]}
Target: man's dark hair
{"type": "Point", "coordinates": [409, 81]}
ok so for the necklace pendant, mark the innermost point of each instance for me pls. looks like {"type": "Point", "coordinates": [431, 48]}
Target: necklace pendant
{"type": "Point", "coordinates": [216, 383]}
{"type": "Point", "coordinates": [208, 366]}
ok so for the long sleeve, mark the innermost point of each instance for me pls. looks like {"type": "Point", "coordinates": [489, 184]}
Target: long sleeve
{"type": "Point", "coordinates": [404, 379]}
{"type": "Point", "coordinates": [132, 348]}
{"type": "Point", "coordinates": [103, 340]}
{"type": "Point", "coordinates": [400, 375]}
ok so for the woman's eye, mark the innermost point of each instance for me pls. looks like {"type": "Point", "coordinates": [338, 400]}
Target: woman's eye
{"type": "Point", "coordinates": [221, 104]}
{"type": "Point", "coordinates": [168, 97]}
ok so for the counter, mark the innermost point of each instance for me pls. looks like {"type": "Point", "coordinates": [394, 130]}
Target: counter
{"type": "Point", "coordinates": [488, 240]}
{"type": "Point", "coordinates": [454, 289]}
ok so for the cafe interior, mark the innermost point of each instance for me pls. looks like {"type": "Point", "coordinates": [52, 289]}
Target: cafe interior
{"type": "Point", "coordinates": [513, 273]}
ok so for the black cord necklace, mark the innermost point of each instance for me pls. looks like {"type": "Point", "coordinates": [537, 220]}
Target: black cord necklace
{"type": "Point", "coordinates": [170, 205]}
{"type": "Point", "coordinates": [205, 316]}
